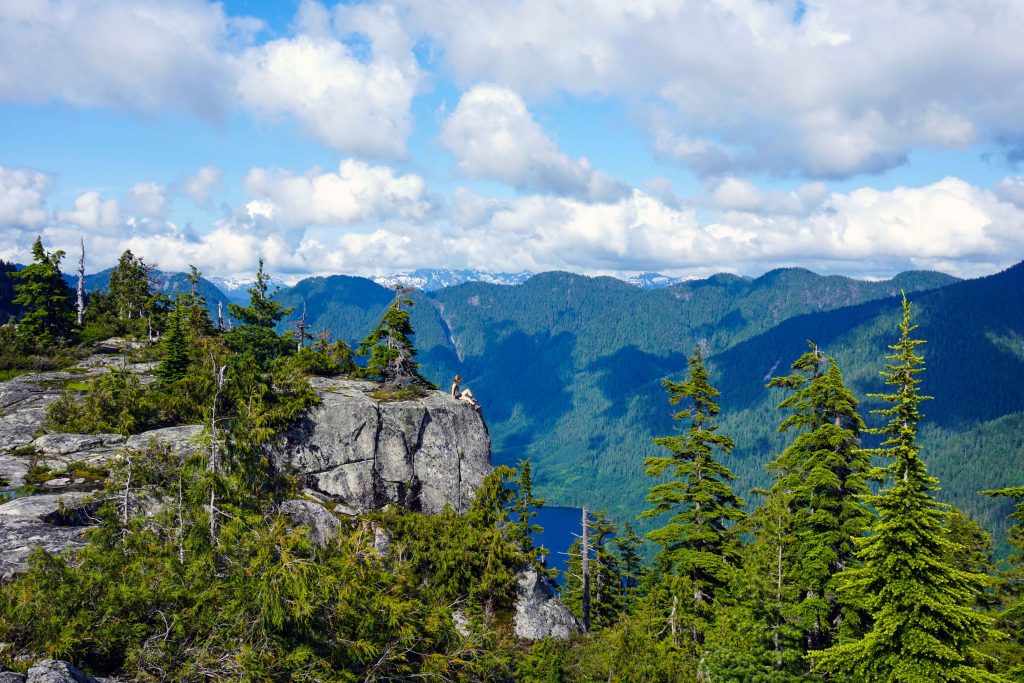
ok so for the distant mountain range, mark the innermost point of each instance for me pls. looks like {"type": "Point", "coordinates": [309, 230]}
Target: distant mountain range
{"type": "Point", "coordinates": [433, 279]}
{"type": "Point", "coordinates": [236, 289]}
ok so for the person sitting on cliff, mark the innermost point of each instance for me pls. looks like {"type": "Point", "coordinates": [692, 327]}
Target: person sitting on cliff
{"type": "Point", "coordinates": [466, 394]}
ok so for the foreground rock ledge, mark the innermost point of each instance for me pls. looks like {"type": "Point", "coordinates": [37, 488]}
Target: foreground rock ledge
{"type": "Point", "coordinates": [353, 450]}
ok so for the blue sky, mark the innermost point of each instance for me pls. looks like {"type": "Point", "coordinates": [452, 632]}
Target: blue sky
{"type": "Point", "coordinates": [594, 136]}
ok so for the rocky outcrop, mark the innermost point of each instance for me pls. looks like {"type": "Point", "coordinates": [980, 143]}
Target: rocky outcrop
{"type": "Point", "coordinates": [353, 452]}
{"type": "Point", "coordinates": [538, 613]}
{"type": "Point", "coordinates": [56, 671]}
{"type": "Point", "coordinates": [54, 522]}
{"type": "Point", "coordinates": [364, 453]}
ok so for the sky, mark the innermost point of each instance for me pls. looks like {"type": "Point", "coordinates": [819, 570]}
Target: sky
{"type": "Point", "coordinates": [685, 137]}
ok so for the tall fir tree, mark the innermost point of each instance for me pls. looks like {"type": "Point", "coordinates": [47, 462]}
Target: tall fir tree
{"type": "Point", "coordinates": [176, 356]}
{"type": "Point", "coordinates": [524, 508]}
{"type": "Point", "coordinates": [627, 546]}
{"type": "Point", "coordinates": [48, 317]}
{"type": "Point", "coordinates": [924, 627]}
{"type": "Point", "coordinates": [255, 335]}
{"type": "Point", "coordinates": [698, 541]}
{"type": "Point", "coordinates": [389, 351]}
{"type": "Point", "coordinates": [769, 589]}
{"type": "Point", "coordinates": [824, 472]}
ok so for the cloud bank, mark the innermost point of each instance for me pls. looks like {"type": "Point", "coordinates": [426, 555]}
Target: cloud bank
{"type": "Point", "coordinates": [367, 219]}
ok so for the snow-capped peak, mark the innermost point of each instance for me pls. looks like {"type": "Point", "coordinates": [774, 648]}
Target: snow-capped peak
{"type": "Point", "coordinates": [430, 279]}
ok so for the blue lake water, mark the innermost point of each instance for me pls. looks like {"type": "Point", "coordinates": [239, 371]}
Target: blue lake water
{"type": "Point", "coordinates": [560, 523]}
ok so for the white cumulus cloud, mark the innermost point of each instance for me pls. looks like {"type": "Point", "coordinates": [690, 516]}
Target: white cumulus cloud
{"type": "Point", "coordinates": [136, 55]}
{"type": "Point", "coordinates": [352, 102]}
{"type": "Point", "coordinates": [147, 199]}
{"type": "Point", "coordinates": [829, 88]}
{"type": "Point", "coordinates": [492, 134]}
{"type": "Point", "coordinates": [151, 56]}
{"type": "Point", "coordinates": [357, 192]}
{"type": "Point", "coordinates": [201, 185]}
{"type": "Point", "coordinates": [23, 197]}
{"type": "Point", "coordinates": [93, 212]}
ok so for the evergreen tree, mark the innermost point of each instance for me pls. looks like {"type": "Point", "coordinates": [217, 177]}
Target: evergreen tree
{"type": "Point", "coordinates": [1011, 619]}
{"type": "Point", "coordinates": [130, 286]}
{"type": "Point", "coordinates": [197, 317]}
{"type": "Point", "coordinates": [768, 595]}
{"type": "Point", "coordinates": [824, 472]}
{"type": "Point", "coordinates": [698, 541]}
{"type": "Point", "coordinates": [493, 535]}
{"type": "Point", "coordinates": [176, 357]}
{"type": "Point", "coordinates": [43, 295]}
{"type": "Point", "coordinates": [389, 350]}
{"type": "Point", "coordinates": [628, 545]}
{"type": "Point", "coordinates": [605, 580]}
{"type": "Point", "coordinates": [924, 626]}
{"type": "Point", "coordinates": [524, 508]}
{"type": "Point", "coordinates": [255, 335]}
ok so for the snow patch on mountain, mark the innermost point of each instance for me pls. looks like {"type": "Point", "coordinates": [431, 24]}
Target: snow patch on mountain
{"type": "Point", "coordinates": [653, 280]}
{"type": "Point", "coordinates": [430, 279]}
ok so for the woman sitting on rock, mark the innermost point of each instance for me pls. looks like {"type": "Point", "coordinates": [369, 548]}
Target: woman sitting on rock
{"type": "Point", "coordinates": [466, 394]}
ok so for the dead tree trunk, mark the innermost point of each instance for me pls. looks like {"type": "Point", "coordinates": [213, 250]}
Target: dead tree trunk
{"type": "Point", "coordinates": [212, 464]}
{"type": "Point", "coordinates": [585, 569]}
{"type": "Point", "coordinates": [81, 283]}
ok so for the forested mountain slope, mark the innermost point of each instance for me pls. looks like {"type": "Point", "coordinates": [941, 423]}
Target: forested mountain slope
{"type": "Point", "coordinates": [569, 367]}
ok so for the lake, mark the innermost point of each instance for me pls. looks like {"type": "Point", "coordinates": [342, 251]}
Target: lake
{"type": "Point", "coordinates": [560, 523]}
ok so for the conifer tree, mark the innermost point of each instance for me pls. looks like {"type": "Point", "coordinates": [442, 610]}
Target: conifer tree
{"type": "Point", "coordinates": [1011, 619]}
{"type": "Point", "coordinates": [130, 287]}
{"type": "Point", "coordinates": [390, 352]}
{"type": "Point", "coordinates": [43, 295]}
{"type": "Point", "coordinates": [628, 545]}
{"type": "Point", "coordinates": [605, 584]}
{"type": "Point", "coordinates": [499, 559]}
{"type": "Point", "coordinates": [924, 626]}
{"type": "Point", "coordinates": [824, 473]}
{"type": "Point", "coordinates": [175, 358]}
{"type": "Point", "coordinates": [698, 541]}
{"type": "Point", "coordinates": [768, 589]}
{"type": "Point", "coordinates": [524, 508]}
{"type": "Point", "coordinates": [255, 335]}
{"type": "Point", "coordinates": [194, 305]}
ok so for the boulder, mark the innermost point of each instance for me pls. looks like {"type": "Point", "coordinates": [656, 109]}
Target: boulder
{"type": "Point", "coordinates": [56, 671]}
{"type": "Point", "coordinates": [321, 522]}
{"type": "Point", "coordinates": [55, 522]}
{"type": "Point", "coordinates": [539, 614]}
{"type": "Point", "coordinates": [365, 453]}
{"type": "Point", "coordinates": [11, 676]}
